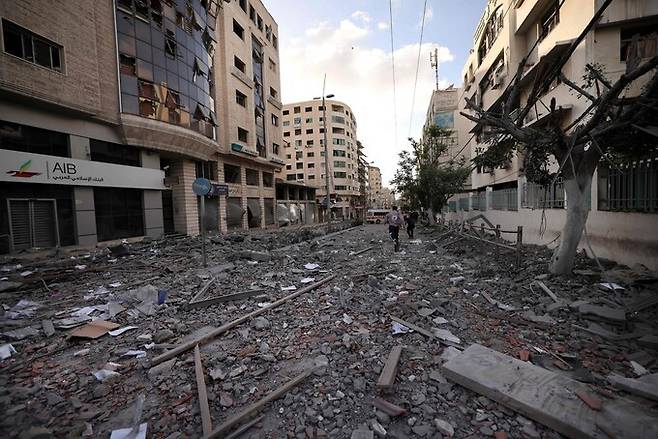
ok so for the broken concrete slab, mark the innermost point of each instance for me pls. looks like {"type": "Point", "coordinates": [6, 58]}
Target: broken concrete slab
{"type": "Point", "coordinates": [605, 312]}
{"type": "Point", "coordinates": [532, 317]}
{"type": "Point", "coordinates": [642, 387]}
{"type": "Point", "coordinates": [542, 395]}
{"type": "Point", "coordinates": [48, 327]}
{"type": "Point", "coordinates": [390, 370]}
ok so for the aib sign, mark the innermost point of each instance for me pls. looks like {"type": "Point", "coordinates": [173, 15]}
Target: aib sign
{"type": "Point", "coordinates": [24, 167]}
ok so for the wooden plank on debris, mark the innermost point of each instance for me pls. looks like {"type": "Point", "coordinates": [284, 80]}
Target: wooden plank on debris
{"type": "Point", "coordinates": [206, 423]}
{"type": "Point", "coordinates": [547, 397]}
{"type": "Point", "coordinates": [222, 329]}
{"type": "Point", "coordinates": [387, 377]}
{"type": "Point", "coordinates": [256, 407]}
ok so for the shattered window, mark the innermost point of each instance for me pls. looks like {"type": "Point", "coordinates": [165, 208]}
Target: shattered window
{"type": "Point", "coordinates": [232, 174]}
{"type": "Point", "coordinates": [24, 44]}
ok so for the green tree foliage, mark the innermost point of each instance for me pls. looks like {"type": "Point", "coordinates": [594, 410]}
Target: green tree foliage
{"type": "Point", "coordinates": [426, 176]}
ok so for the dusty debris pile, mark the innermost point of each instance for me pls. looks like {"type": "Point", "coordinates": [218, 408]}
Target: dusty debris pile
{"type": "Point", "coordinates": [300, 335]}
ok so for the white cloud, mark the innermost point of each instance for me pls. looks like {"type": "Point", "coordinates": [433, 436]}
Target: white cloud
{"type": "Point", "coordinates": [361, 15]}
{"type": "Point", "coordinates": [382, 25]}
{"type": "Point", "coordinates": [361, 77]}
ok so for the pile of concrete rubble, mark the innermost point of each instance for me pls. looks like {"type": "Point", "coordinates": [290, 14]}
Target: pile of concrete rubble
{"type": "Point", "coordinates": [296, 334]}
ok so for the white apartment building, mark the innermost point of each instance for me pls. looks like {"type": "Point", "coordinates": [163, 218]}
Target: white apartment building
{"type": "Point", "coordinates": [303, 135]}
{"type": "Point", "coordinates": [624, 205]}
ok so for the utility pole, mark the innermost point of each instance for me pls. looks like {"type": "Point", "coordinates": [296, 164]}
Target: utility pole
{"type": "Point", "coordinates": [326, 153]}
{"type": "Point", "coordinates": [434, 62]}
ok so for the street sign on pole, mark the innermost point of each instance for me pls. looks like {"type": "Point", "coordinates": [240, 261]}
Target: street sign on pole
{"type": "Point", "coordinates": [201, 187]}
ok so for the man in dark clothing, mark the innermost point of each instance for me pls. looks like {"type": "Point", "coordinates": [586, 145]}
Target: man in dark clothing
{"type": "Point", "coordinates": [395, 221]}
{"type": "Point", "coordinates": [411, 224]}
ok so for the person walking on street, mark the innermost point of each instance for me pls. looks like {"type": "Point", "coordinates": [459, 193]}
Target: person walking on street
{"type": "Point", "coordinates": [411, 224]}
{"type": "Point", "coordinates": [395, 221]}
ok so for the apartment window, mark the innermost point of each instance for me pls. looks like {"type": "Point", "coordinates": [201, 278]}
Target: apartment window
{"type": "Point", "coordinates": [238, 30]}
{"type": "Point", "coordinates": [206, 170]}
{"type": "Point", "coordinates": [322, 152]}
{"type": "Point", "coordinates": [268, 179]}
{"type": "Point", "coordinates": [259, 21]}
{"type": "Point", "coordinates": [321, 130]}
{"type": "Point", "coordinates": [275, 42]}
{"type": "Point", "coordinates": [311, 166]}
{"type": "Point", "coordinates": [288, 167]}
{"type": "Point", "coordinates": [299, 155]}
{"type": "Point", "coordinates": [299, 165]}
{"type": "Point", "coordinates": [252, 13]}
{"type": "Point", "coordinates": [311, 177]}
{"type": "Point", "coordinates": [309, 142]}
{"type": "Point", "coordinates": [240, 98]}
{"type": "Point", "coordinates": [339, 153]}
{"type": "Point", "coordinates": [239, 64]}
{"type": "Point", "coordinates": [338, 119]}
{"type": "Point", "coordinates": [286, 133]}
{"type": "Point", "coordinates": [275, 148]}
{"type": "Point", "coordinates": [309, 131]}
{"type": "Point", "coordinates": [242, 135]}
{"type": "Point", "coordinates": [338, 141]}
{"type": "Point", "coordinates": [24, 44]}
{"type": "Point", "coordinates": [646, 45]}
{"type": "Point", "coordinates": [310, 154]}
{"type": "Point", "coordinates": [274, 93]}
{"type": "Point", "coordinates": [243, 5]}
{"type": "Point", "coordinates": [275, 120]}
{"type": "Point", "coordinates": [232, 174]}
{"type": "Point", "coordinates": [308, 109]}
{"type": "Point", "coordinates": [309, 120]}
{"type": "Point", "coordinates": [297, 121]}
{"type": "Point", "coordinates": [290, 177]}
{"type": "Point", "coordinates": [288, 156]}
{"type": "Point", "coordinates": [338, 164]}
{"type": "Point", "coordinates": [300, 176]}
{"type": "Point", "coordinates": [298, 132]}
{"type": "Point", "coordinates": [340, 187]}
{"type": "Point", "coordinates": [286, 112]}
{"type": "Point", "coordinates": [321, 108]}
{"type": "Point", "coordinates": [490, 33]}
{"type": "Point", "coordinates": [298, 142]}
{"type": "Point", "coordinates": [286, 123]}
{"type": "Point", "coordinates": [252, 177]}
{"type": "Point", "coordinates": [297, 110]}
{"type": "Point", "coordinates": [550, 19]}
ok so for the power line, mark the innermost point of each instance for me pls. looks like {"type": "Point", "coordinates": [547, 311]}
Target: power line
{"type": "Point", "coordinates": [395, 110]}
{"type": "Point", "coordinates": [420, 46]}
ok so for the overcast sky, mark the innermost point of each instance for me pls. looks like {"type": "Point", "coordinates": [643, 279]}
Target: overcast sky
{"type": "Point", "coordinates": [350, 41]}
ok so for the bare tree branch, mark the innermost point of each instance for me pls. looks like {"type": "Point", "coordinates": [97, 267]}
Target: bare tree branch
{"type": "Point", "coordinates": [576, 87]}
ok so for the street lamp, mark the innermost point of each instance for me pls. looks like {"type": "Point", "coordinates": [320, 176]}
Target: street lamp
{"type": "Point", "coordinates": [326, 152]}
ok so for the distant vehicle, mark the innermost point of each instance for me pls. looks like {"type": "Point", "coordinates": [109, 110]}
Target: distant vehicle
{"type": "Point", "coordinates": [376, 216]}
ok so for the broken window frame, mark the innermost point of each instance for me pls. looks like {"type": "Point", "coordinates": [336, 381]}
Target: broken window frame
{"type": "Point", "coordinates": [28, 39]}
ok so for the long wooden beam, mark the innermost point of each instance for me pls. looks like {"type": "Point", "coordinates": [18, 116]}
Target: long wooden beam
{"type": "Point", "coordinates": [222, 329]}
{"type": "Point", "coordinates": [254, 408]}
{"type": "Point", "coordinates": [206, 422]}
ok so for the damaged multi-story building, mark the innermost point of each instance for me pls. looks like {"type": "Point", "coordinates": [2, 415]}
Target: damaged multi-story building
{"type": "Point", "coordinates": [623, 201]}
{"type": "Point", "coordinates": [110, 109]}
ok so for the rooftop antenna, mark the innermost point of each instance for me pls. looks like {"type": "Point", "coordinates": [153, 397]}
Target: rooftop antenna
{"type": "Point", "coordinates": [434, 61]}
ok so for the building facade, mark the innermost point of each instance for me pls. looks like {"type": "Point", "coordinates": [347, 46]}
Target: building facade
{"type": "Point", "coordinates": [303, 135]}
{"type": "Point", "coordinates": [110, 109]}
{"type": "Point", "coordinates": [379, 197]}
{"type": "Point", "coordinates": [623, 204]}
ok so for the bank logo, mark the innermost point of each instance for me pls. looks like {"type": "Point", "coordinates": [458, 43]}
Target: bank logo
{"type": "Point", "coordinates": [23, 171]}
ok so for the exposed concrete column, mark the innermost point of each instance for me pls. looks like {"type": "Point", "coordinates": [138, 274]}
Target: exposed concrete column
{"type": "Point", "coordinates": [520, 183]}
{"type": "Point", "coordinates": [186, 212]}
{"type": "Point", "coordinates": [152, 199]}
{"type": "Point", "coordinates": [261, 203]}
{"type": "Point", "coordinates": [85, 215]}
{"type": "Point", "coordinates": [153, 220]}
{"type": "Point", "coordinates": [223, 225]}
{"type": "Point", "coordinates": [85, 209]}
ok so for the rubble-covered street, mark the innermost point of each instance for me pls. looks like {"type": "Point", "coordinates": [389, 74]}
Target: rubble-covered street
{"type": "Point", "coordinates": [375, 351]}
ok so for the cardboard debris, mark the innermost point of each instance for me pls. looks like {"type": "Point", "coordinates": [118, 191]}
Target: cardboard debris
{"type": "Point", "coordinates": [94, 329]}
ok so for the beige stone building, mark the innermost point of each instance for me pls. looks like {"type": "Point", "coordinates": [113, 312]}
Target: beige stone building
{"type": "Point", "coordinates": [303, 135]}
{"type": "Point", "coordinates": [379, 197]}
{"type": "Point", "coordinates": [110, 109]}
{"type": "Point", "coordinates": [623, 204]}
{"type": "Point", "coordinates": [248, 87]}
